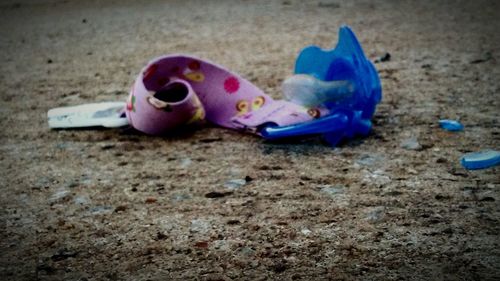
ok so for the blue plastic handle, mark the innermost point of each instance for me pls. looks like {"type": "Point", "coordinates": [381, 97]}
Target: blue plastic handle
{"type": "Point", "coordinates": [330, 123]}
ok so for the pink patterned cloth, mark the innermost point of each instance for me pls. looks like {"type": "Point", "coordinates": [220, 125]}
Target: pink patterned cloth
{"type": "Point", "coordinates": [176, 90]}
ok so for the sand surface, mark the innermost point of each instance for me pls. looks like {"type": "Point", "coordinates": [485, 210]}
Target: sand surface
{"type": "Point", "coordinates": [117, 205]}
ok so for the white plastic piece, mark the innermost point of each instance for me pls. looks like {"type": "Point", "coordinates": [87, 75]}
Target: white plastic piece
{"type": "Point", "coordinates": [105, 114]}
{"type": "Point", "coordinates": [308, 91]}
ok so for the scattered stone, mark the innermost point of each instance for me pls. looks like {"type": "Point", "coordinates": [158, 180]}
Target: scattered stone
{"type": "Point", "coordinates": [487, 196]}
{"type": "Point", "coordinates": [107, 146]}
{"type": "Point", "coordinates": [210, 140]}
{"type": "Point", "coordinates": [233, 222]}
{"type": "Point", "coordinates": [369, 159]}
{"type": "Point", "coordinates": [217, 194]}
{"type": "Point", "coordinates": [279, 267]}
{"type": "Point", "coordinates": [384, 58]}
{"type": "Point", "coordinates": [305, 231]}
{"type": "Point", "coordinates": [248, 179]}
{"type": "Point", "coordinates": [84, 20]}
{"type": "Point", "coordinates": [332, 190]}
{"type": "Point", "coordinates": [62, 145]}
{"type": "Point", "coordinates": [448, 230]}
{"type": "Point", "coordinates": [488, 56]}
{"type": "Point", "coordinates": [393, 193]}
{"type": "Point", "coordinates": [234, 183]}
{"type": "Point", "coordinates": [47, 268]}
{"type": "Point", "coordinates": [72, 184]}
{"type": "Point", "coordinates": [49, 61]}
{"type": "Point", "coordinates": [186, 162]}
{"type": "Point", "coordinates": [101, 210]}
{"type": "Point", "coordinates": [151, 200]}
{"type": "Point", "coordinates": [221, 244]}
{"type": "Point", "coordinates": [376, 214]}
{"type": "Point", "coordinates": [161, 236]}
{"type": "Point", "coordinates": [200, 225]}
{"type": "Point", "coordinates": [81, 200]}
{"type": "Point", "coordinates": [59, 195]}
{"type": "Point", "coordinates": [267, 168]}
{"type": "Point", "coordinates": [121, 208]}
{"type": "Point", "coordinates": [63, 254]}
{"type": "Point", "coordinates": [201, 244]}
{"type": "Point", "coordinates": [411, 144]}
{"type": "Point", "coordinates": [180, 197]}
{"type": "Point", "coordinates": [455, 172]}
{"type": "Point", "coordinates": [247, 251]}
{"type": "Point", "coordinates": [441, 197]}
{"type": "Point", "coordinates": [441, 160]}
{"type": "Point", "coordinates": [305, 178]}
{"type": "Point", "coordinates": [377, 177]}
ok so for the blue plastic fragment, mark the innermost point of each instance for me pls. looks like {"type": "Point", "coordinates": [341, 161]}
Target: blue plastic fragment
{"type": "Point", "coordinates": [350, 116]}
{"type": "Point", "coordinates": [480, 160]}
{"type": "Point", "coordinates": [451, 125]}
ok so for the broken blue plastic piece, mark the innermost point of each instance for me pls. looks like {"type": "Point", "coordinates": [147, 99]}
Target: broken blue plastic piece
{"type": "Point", "coordinates": [480, 160]}
{"type": "Point", "coordinates": [451, 125]}
{"type": "Point", "coordinates": [359, 88]}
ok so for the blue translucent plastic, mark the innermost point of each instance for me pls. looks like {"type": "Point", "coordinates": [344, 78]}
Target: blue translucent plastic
{"type": "Point", "coordinates": [351, 116]}
{"type": "Point", "coordinates": [480, 160]}
{"type": "Point", "coordinates": [451, 125]}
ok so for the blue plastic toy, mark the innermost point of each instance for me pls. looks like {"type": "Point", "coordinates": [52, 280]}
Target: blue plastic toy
{"type": "Point", "coordinates": [481, 159]}
{"type": "Point", "coordinates": [344, 82]}
{"type": "Point", "coordinates": [451, 125]}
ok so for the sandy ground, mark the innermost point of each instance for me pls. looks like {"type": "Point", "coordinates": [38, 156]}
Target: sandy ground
{"type": "Point", "coordinates": [117, 205]}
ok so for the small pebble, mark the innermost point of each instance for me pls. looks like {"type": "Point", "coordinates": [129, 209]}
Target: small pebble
{"type": "Point", "coordinates": [180, 197]}
{"type": "Point", "coordinates": [247, 251]}
{"type": "Point", "coordinates": [305, 231]}
{"type": "Point", "coordinates": [201, 244]}
{"type": "Point", "coordinates": [235, 183]}
{"type": "Point", "coordinates": [217, 194]}
{"type": "Point", "coordinates": [59, 195]}
{"type": "Point", "coordinates": [369, 159]}
{"type": "Point", "coordinates": [121, 208]}
{"type": "Point", "coordinates": [151, 200]}
{"type": "Point", "coordinates": [161, 236]}
{"type": "Point", "coordinates": [186, 162]}
{"type": "Point", "coordinates": [332, 190]}
{"type": "Point", "coordinates": [384, 58]}
{"type": "Point", "coordinates": [411, 144]}
{"type": "Point", "coordinates": [81, 200]}
{"type": "Point", "coordinates": [200, 225]}
{"type": "Point", "coordinates": [101, 210]}
{"type": "Point", "coordinates": [107, 146]}
{"type": "Point", "coordinates": [376, 214]}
